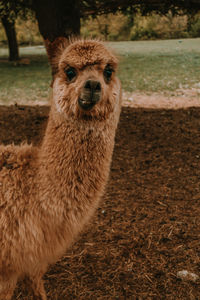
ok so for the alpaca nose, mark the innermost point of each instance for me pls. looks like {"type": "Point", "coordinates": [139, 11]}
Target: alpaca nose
{"type": "Point", "coordinates": [90, 94]}
{"type": "Point", "coordinates": [93, 86]}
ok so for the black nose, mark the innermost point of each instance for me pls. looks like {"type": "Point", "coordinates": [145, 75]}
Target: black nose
{"type": "Point", "coordinates": [93, 86]}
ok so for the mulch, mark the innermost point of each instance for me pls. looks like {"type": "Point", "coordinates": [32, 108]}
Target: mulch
{"type": "Point", "coordinates": [147, 227]}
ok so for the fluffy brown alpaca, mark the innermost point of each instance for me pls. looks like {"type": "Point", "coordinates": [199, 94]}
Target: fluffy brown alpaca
{"type": "Point", "coordinates": [48, 193]}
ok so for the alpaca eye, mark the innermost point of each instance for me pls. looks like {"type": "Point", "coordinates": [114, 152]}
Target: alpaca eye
{"type": "Point", "coordinates": [71, 73]}
{"type": "Point", "coordinates": [108, 73]}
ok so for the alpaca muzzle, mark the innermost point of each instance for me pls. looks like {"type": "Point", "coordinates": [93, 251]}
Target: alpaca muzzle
{"type": "Point", "coordinates": [90, 94]}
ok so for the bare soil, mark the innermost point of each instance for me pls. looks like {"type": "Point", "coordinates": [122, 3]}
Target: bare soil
{"type": "Point", "coordinates": [181, 98]}
{"type": "Point", "coordinates": [147, 227]}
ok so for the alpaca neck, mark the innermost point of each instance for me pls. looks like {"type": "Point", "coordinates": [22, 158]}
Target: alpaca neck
{"type": "Point", "coordinates": [75, 160]}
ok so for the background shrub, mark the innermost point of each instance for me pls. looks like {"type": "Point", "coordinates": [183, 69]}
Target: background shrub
{"type": "Point", "coordinates": [122, 28]}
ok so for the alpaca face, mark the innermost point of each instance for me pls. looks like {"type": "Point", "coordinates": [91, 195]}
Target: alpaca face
{"type": "Point", "coordinates": [86, 85]}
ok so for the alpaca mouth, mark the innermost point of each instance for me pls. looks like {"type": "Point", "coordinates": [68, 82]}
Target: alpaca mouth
{"type": "Point", "coordinates": [86, 105]}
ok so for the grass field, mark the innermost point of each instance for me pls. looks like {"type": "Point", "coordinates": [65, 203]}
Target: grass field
{"type": "Point", "coordinates": [145, 66]}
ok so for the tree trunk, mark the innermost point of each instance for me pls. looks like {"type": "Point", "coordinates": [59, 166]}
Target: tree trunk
{"type": "Point", "coordinates": [58, 20]}
{"type": "Point", "coordinates": [9, 27]}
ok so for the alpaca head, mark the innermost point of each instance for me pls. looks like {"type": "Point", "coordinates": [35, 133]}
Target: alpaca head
{"type": "Point", "coordinates": [86, 86]}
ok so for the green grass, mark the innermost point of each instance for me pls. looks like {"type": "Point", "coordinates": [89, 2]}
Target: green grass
{"type": "Point", "coordinates": [25, 83]}
{"type": "Point", "coordinates": [161, 72]}
{"type": "Point", "coordinates": [159, 66]}
{"type": "Point", "coordinates": [145, 66]}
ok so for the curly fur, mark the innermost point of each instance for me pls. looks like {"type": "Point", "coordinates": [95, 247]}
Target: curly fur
{"type": "Point", "coordinates": [48, 193]}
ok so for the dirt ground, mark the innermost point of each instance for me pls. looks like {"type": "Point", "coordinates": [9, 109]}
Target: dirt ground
{"type": "Point", "coordinates": [147, 228]}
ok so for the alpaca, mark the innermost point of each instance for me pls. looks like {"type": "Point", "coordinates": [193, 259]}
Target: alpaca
{"type": "Point", "coordinates": [48, 193]}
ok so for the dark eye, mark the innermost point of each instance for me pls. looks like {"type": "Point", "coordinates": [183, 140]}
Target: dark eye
{"type": "Point", "coordinates": [108, 72]}
{"type": "Point", "coordinates": [71, 73]}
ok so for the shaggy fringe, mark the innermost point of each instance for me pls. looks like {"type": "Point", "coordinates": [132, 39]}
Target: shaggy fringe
{"type": "Point", "coordinates": [55, 49]}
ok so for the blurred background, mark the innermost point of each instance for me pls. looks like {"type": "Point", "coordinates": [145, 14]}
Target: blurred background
{"type": "Point", "coordinates": [158, 43]}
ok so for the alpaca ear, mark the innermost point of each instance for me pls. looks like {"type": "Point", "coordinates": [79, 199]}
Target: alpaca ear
{"type": "Point", "coordinates": [54, 50]}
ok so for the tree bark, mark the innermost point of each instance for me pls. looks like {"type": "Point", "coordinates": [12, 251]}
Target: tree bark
{"type": "Point", "coordinates": [58, 20]}
{"type": "Point", "coordinates": [9, 27]}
